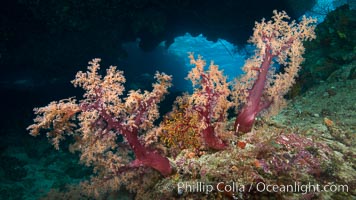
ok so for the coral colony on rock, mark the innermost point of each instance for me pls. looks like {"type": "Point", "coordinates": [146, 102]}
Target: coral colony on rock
{"type": "Point", "coordinates": [199, 150]}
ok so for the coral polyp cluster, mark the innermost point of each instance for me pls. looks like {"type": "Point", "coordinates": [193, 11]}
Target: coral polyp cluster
{"type": "Point", "coordinates": [180, 130]}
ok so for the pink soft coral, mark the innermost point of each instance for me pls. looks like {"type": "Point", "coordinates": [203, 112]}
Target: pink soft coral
{"type": "Point", "coordinates": [275, 41]}
{"type": "Point", "coordinates": [102, 117]}
{"type": "Point", "coordinates": [209, 100]}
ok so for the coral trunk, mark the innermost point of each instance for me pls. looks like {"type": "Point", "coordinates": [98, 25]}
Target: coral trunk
{"type": "Point", "coordinates": [147, 157]}
{"type": "Point", "coordinates": [254, 105]}
{"type": "Point", "coordinates": [211, 140]}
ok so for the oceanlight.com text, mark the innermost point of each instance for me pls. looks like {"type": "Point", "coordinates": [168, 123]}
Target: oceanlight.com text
{"type": "Point", "coordinates": [301, 188]}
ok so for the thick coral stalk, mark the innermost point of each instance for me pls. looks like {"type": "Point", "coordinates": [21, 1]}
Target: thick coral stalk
{"type": "Point", "coordinates": [143, 155]}
{"type": "Point", "coordinates": [254, 105]}
{"type": "Point", "coordinates": [146, 157]}
{"type": "Point", "coordinates": [208, 133]}
{"type": "Point", "coordinates": [211, 140]}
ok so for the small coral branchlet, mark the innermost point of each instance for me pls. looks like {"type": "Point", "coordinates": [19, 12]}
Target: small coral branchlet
{"type": "Point", "coordinates": [209, 100]}
{"type": "Point", "coordinates": [276, 41]}
{"type": "Point", "coordinates": [57, 119]}
{"type": "Point", "coordinates": [102, 116]}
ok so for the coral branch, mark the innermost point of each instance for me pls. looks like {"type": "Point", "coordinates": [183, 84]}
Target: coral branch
{"type": "Point", "coordinates": [209, 100]}
{"type": "Point", "coordinates": [103, 115]}
{"type": "Point", "coordinates": [275, 41]}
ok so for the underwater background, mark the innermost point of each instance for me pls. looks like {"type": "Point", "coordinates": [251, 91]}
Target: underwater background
{"type": "Point", "coordinates": [310, 141]}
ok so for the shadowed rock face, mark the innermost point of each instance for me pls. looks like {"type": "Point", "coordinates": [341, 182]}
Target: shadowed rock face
{"type": "Point", "coordinates": [331, 53]}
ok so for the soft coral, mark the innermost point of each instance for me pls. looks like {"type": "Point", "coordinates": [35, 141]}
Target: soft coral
{"type": "Point", "coordinates": [103, 115]}
{"type": "Point", "coordinates": [275, 41]}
